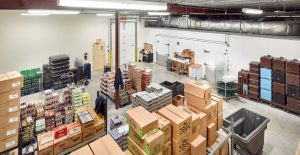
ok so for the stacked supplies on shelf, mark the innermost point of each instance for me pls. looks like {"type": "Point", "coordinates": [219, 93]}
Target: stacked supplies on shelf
{"type": "Point", "coordinates": [47, 82]}
{"type": "Point", "coordinates": [124, 98]}
{"type": "Point", "coordinates": [266, 78]}
{"type": "Point", "coordinates": [86, 99]}
{"type": "Point", "coordinates": [146, 78]}
{"type": "Point", "coordinates": [137, 79]}
{"type": "Point", "coordinates": [60, 69]}
{"type": "Point", "coordinates": [116, 122]}
{"type": "Point", "coordinates": [77, 98]}
{"type": "Point", "coordinates": [69, 115]}
{"type": "Point", "coordinates": [293, 85]}
{"type": "Point", "coordinates": [27, 125]}
{"type": "Point", "coordinates": [119, 131]}
{"type": "Point", "coordinates": [51, 100]}
{"type": "Point", "coordinates": [254, 80]}
{"type": "Point", "coordinates": [129, 86]}
{"type": "Point", "coordinates": [103, 82]}
{"type": "Point", "coordinates": [125, 74]}
{"type": "Point", "coordinates": [50, 120]}
{"type": "Point", "coordinates": [32, 81]}
{"type": "Point", "coordinates": [40, 126]}
{"type": "Point", "coordinates": [279, 97]}
{"type": "Point", "coordinates": [131, 67]}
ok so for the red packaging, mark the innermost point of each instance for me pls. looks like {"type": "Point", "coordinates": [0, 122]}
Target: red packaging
{"type": "Point", "coordinates": [60, 131]}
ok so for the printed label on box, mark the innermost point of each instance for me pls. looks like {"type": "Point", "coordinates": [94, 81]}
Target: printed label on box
{"type": "Point", "coordinates": [11, 132]}
{"type": "Point", "coordinates": [14, 119]}
{"type": "Point", "coordinates": [10, 144]}
{"type": "Point", "coordinates": [13, 109]}
{"type": "Point", "coordinates": [13, 96]}
{"type": "Point", "coordinates": [16, 84]}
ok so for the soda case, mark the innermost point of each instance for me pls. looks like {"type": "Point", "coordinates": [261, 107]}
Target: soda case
{"type": "Point", "coordinates": [59, 70]}
{"type": "Point", "coordinates": [293, 66]}
{"type": "Point", "coordinates": [279, 64]}
{"type": "Point", "coordinates": [86, 99]}
{"type": "Point", "coordinates": [32, 81]}
{"type": "Point", "coordinates": [266, 61]}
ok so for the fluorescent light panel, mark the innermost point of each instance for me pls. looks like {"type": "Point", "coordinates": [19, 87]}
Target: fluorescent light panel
{"type": "Point", "coordinates": [121, 5]}
{"type": "Point", "coordinates": [105, 14]}
{"type": "Point", "coordinates": [252, 11]}
{"type": "Point", "coordinates": [36, 14]}
{"type": "Point", "coordinates": [158, 13]}
{"type": "Point", "coordinates": [54, 12]}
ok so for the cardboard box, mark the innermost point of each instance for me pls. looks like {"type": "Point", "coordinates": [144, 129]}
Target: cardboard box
{"type": "Point", "coordinates": [10, 107]}
{"type": "Point", "coordinates": [220, 101]}
{"type": "Point", "coordinates": [10, 119]}
{"type": "Point", "coordinates": [182, 146]}
{"type": "Point", "coordinates": [13, 152]}
{"type": "Point", "coordinates": [152, 144]}
{"type": "Point", "coordinates": [211, 134]}
{"type": "Point", "coordinates": [86, 150]}
{"type": "Point", "coordinates": [141, 121]}
{"type": "Point", "coordinates": [74, 128]}
{"type": "Point", "coordinates": [210, 111]}
{"type": "Point", "coordinates": [134, 148]}
{"type": "Point", "coordinates": [106, 146]}
{"type": "Point", "coordinates": [99, 125]}
{"type": "Point", "coordinates": [75, 139]}
{"type": "Point", "coordinates": [9, 131]}
{"type": "Point", "coordinates": [127, 152]}
{"type": "Point", "coordinates": [5, 84]}
{"type": "Point", "coordinates": [198, 146]}
{"type": "Point", "coordinates": [197, 94]}
{"type": "Point", "coordinates": [92, 113]}
{"type": "Point", "coordinates": [61, 144]}
{"type": "Point", "coordinates": [16, 80]}
{"type": "Point", "coordinates": [195, 122]}
{"type": "Point", "coordinates": [181, 121]}
{"type": "Point", "coordinates": [8, 143]}
{"type": "Point", "coordinates": [88, 133]}
{"type": "Point", "coordinates": [167, 150]}
{"type": "Point", "coordinates": [10, 96]}
{"type": "Point", "coordinates": [86, 120]}
{"type": "Point", "coordinates": [60, 131]}
{"type": "Point", "coordinates": [165, 126]}
{"type": "Point", "coordinates": [224, 150]}
{"type": "Point", "coordinates": [220, 121]}
{"type": "Point", "coordinates": [178, 100]}
{"type": "Point", "coordinates": [46, 143]}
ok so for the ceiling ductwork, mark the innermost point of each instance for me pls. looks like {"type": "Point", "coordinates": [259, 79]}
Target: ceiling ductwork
{"type": "Point", "coordinates": [276, 28]}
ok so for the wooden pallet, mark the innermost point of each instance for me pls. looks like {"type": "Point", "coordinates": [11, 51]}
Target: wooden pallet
{"type": "Point", "coordinates": [263, 101]}
{"type": "Point", "coordinates": [285, 108]}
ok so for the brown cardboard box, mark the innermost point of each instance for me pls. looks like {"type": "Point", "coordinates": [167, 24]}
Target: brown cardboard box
{"type": "Point", "coordinates": [224, 150]}
{"type": "Point", "coordinates": [198, 146]}
{"type": "Point", "coordinates": [141, 121]}
{"type": "Point", "coordinates": [178, 100]}
{"type": "Point", "coordinates": [9, 131]}
{"type": "Point", "coordinates": [211, 134]}
{"type": "Point", "coordinates": [10, 119]}
{"type": "Point", "coordinates": [106, 146]}
{"type": "Point", "coordinates": [182, 146]}
{"type": "Point", "coordinates": [195, 122]}
{"type": "Point", "coordinates": [197, 94]}
{"type": "Point", "coordinates": [10, 107]}
{"type": "Point", "coordinates": [210, 111]}
{"type": "Point", "coordinates": [8, 143]}
{"type": "Point", "coordinates": [16, 80]}
{"type": "Point", "coordinates": [165, 126]}
{"type": "Point", "coordinates": [88, 133]}
{"type": "Point", "coordinates": [181, 121]}
{"type": "Point", "coordinates": [5, 84]}
{"type": "Point", "coordinates": [152, 144]}
{"type": "Point", "coordinates": [167, 148]}
{"type": "Point", "coordinates": [75, 139]}
{"type": "Point", "coordinates": [92, 112]}
{"type": "Point", "coordinates": [203, 122]}
{"type": "Point", "coordinates": [219, 100]}
{"type": "Point", "coordinates": [46, 143]}
{"type": "Point", "coordinates": [86, 150]}
{"type": "Point", "coordinates": [13, 152]}
{"type": "Point", "coordinates": [99, 125]}
{"type": "Point", "coordinates": [10, 96]}
{"type": "Point", "coordinates": [134, 148]}
{"type": "Point", "coordinates": [220, 121]}
{"type": "Point", "coordinates": [61, 144]}
{"type": "Point", "coordinates": [127, 152]}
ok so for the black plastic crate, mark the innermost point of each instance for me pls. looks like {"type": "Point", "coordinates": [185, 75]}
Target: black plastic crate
{"type": "Point", "coordinates": [170, 86]}
{"type": "Point", "coordinates": [179, 88]}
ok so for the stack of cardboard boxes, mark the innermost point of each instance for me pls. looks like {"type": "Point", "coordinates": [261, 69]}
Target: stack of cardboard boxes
{"type": "Point", "coordinates": [145, 138]}
{"type": "Point", "coordinates": [10, 85]}
{"type": "Point", "coordinates": [146, 78]}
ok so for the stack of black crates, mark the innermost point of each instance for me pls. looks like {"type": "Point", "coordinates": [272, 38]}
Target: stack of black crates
{"type": "Point", "coordinates": [254, 81]}
{"type": "Point", "coordinates": [279, 80]}
{"type": "Point", "coordinates": [47, 82]}
{"type": "Point", "coordinates": [293, 85]}
{"type": "Point", "coordinates": [59, 71]}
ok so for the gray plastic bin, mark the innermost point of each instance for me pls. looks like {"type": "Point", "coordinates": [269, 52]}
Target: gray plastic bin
{"type": "Point", "coordinates": [249, 130]}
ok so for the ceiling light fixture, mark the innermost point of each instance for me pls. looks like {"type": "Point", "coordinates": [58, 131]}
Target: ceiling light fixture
{"type": "Point", "coordinates": [152, 20]}
{"type": "Point", "coordinates": [158, 13]}
{"type": "Point", "coordinates": [36, 14]}
{"type": "Point", "coordinates": [54, 12]}
{"type": "Point", "coordinates": [105, 14]}
{"type": "Point", "coordinates": [121, 5]}
{"type": "Point", "coordinates": [252, 11]}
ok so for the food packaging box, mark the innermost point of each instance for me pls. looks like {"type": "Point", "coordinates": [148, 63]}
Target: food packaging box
{"type": "Point", "coordinates": [198, 146]}
{"type": "Point", "coordinates": [141, 121]}
{"type": "Point", "coordinates": [293, 66]}
{"type": "Point", "coordinates": [10, 96]}
{"type": "Point", "coordinates": [92, 112]}
{"type": "Point", "coordinates": [46, 143]}
{"type": "Point", "coordinates": [60, 131]}
{"type": "Point", "coordinates": [210, 111]}
{"type": "Point", "coordinates": [61, 144]}
{"type": "Point", "coordinates": [99, 125]}
{"type": "Point", "coordinates": [279, 88]}
{"type": "Point", "coordinates": [88, 133]}
{"type": "Point", "coordinates": [195, 122]}
{"type": "Point", "coordinates": [74, 128]}
{"type": "Point", "coordinates": [254, 64]}
{"type": "Point", "coordinates": [266, 61]}
{"type": "Point", "coordinates": [16, 80]}
{"type": "Point", "coordinates": [203, 121]}
{"type": "Point", "coordinates": [9, 131]}
{"type": "Point", "coordinates": [293, 79]}
{"type": "Point", "coordinates": [127, 152]}
{"type": "Point", "coordinates": [279, 64]}
{"type": "Point", "coordinates": [165, 126]}
{"type": "Point", "coordinates": [85, 119]}
{"type": "Point", "coordinates": [134, 148]}
{"type": "Point", "coordinates": [167, 150]}
{"type": "Point", "coordinates": [211, 134]}
{"type": "Point", "coordinates": [75, 139]}
{"type": "Point", "coordinates": [224, 150]}
{"type": "Point", "coordinates": [152, 144]}
{"type": "Point", "coordinates": [9, 107]}
{"type": "Point", "coordinates": [220, 121]}
{"type": "Point", "coordinates": [5, 84]}
{"type": "Point", "coordinates": [9, 119]}
{"type": "Point", "coordinates": [106, 146]}
{"type": "Point", "coordinates": [181, 146]}
{"type": "Point", "coordinates": [8, 143]}
{"type": "Point", "coordinates": [197, 94]}
{"type": "Point", "coordinates": [178, 100]}
{"type": "Point", "coordinates": [220, 103]}
{"type": "Point", "coordinates": [86, 150]}
{"type": "Point", "coordinates": [181, 121]}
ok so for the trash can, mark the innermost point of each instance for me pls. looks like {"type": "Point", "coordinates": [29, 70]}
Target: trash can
{"type": "Point", "coordinates": [249, 130]}
{"type": "Point", "coordinates": [169, 63]}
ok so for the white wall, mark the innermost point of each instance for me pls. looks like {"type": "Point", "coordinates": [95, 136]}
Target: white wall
{"type": "Point", "coordinates": [28, 41]}
{"type": "Point", "coordinates": [242, 49]}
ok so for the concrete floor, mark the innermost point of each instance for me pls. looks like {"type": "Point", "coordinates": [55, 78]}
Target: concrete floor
{"type": "Point", "coordinates": [281, 137]}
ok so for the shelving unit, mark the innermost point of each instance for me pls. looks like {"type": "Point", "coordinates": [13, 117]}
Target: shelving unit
{"type": "Point", "coordinates": [227, 89]}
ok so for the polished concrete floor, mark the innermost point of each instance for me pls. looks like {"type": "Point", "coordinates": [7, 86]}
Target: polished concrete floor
{"type": "Point", "coordinates": [281, 137]}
